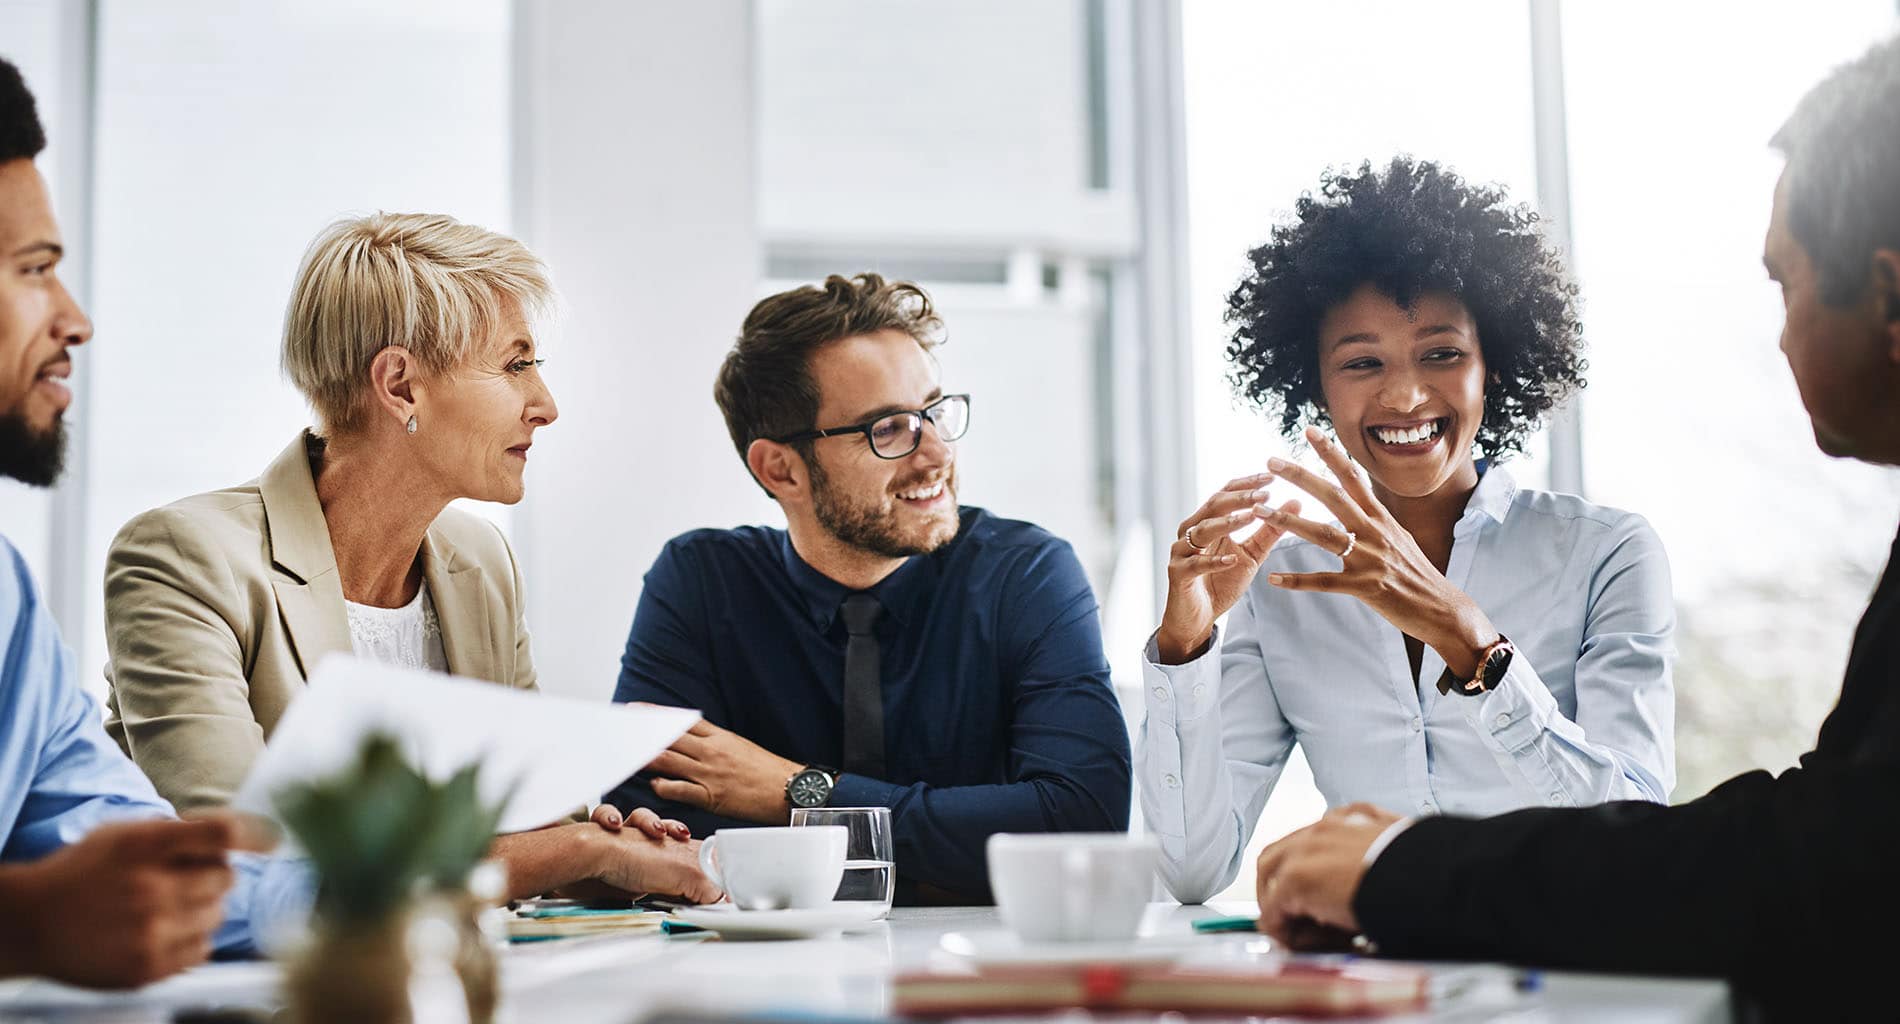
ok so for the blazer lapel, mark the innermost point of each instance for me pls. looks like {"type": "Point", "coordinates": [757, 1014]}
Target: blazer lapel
{"type": "Point", "coordinates": [311, 600]}
{"type": "Point", "coordinates": [459, 589]}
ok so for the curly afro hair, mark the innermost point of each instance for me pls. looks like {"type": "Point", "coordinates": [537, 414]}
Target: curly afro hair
{"type": "Point", "coordinates": [20, 134]}
{"type": "Point", "coordinates": [1407, 230]}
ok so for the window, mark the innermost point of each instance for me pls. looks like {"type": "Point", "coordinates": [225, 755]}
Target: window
{"type": "Point", "coordinates": [1691, 417]}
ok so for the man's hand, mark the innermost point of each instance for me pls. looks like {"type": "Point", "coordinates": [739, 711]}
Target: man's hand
{"type": "Point", "coordinates": [1306, 881]}
{"type": "Point", "coordinates": [125, 906]}
{"type": "Point", "coordinates": [723, 772]}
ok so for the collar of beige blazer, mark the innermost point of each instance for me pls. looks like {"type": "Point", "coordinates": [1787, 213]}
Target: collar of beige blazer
{"type": "Point", "coordinates": [311, 600]}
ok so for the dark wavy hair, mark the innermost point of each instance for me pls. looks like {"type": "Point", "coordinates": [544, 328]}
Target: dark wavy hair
{"type": "Point", "coordinates": [765, 387]}
{"type": "Point", "coordinates": [1409, 229]}
{"type": "Point", "coordinates": [21, 137]}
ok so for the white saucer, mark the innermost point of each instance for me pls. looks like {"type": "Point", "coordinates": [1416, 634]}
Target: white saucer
{"type": "Point", "coordinates": [799, 923]}
{"type": "Point", "coordinates": [999, 947]}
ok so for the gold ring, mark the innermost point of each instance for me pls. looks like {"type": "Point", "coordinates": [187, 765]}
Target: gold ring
{"type": "Point", "coordinates": [1188, 535]}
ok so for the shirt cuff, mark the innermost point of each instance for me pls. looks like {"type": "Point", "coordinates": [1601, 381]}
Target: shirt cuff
{"type": "Point", "coordinates": [862, 791]}
{"type": "Point", "coordinates": [1378, 846]}
{"type": "Point", "coordinates": [1184, 692]}
{"type": "Point", "coordinates": [1515, 713]}
{"type": "Point", "coordinates": [267, 911]}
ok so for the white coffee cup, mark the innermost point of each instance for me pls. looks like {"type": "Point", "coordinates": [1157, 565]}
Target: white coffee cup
{"type": "Point", "coordinates": [1072, 886]}
{"type": "Point", "coordinates": [776, 868]}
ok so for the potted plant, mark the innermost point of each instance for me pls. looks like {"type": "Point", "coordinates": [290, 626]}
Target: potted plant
{"type": "Point", "coordinates": [385, 840]}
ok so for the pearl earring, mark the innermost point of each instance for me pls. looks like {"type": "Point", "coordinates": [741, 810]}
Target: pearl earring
{"type": "Point", "coordinates": [412, 424]}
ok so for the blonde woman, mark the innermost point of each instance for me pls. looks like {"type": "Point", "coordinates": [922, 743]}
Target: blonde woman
{"type": "Point", "coordinates": [410, 336]}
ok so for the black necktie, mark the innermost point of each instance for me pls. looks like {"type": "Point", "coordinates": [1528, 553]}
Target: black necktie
{"type": "Point", "coordinates": [863, 691]}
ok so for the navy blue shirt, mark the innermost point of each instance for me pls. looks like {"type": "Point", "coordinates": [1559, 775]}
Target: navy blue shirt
{"type": "Point", "coordinates": [998, 713]}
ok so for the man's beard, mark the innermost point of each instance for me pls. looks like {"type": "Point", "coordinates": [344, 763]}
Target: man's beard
{"type": "Point", "coordinates": [31, 456]}
{"type": "Point", "coordinates": [869, 528]}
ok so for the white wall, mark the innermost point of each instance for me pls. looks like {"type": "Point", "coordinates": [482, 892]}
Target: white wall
{"type": "Point", "coordinates": [635, 179]}
{"type": "Point", "coordinates": [901, 120]}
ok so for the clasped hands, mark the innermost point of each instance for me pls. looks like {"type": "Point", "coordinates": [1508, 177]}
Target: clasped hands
{"type": "Point", "coordinates": [1381, 564]}
{"type": "Point", "coordinates": [1306, 882]}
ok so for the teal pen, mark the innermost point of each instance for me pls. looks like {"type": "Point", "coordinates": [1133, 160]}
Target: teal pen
{"type": "Point", "coordinates": [1208, 925]}
{"type": "Point", "coordinates": [544, 912]}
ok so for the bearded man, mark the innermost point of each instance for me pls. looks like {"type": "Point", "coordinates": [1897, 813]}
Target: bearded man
{"type": "Point", "coordinates": [888, 648]}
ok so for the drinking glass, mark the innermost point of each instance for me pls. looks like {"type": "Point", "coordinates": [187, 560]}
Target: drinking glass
{"type": "Point", "coordinates": [870, 869]}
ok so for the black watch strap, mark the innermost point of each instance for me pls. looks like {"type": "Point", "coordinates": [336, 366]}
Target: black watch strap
{"type": "Point", "coordinates": [1493, 662]}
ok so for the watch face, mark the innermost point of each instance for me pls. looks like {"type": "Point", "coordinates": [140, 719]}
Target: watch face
{"type": "Point", "coordinates": [809, 789]}
{"type": "Point", "coordinates": [1494, 667]}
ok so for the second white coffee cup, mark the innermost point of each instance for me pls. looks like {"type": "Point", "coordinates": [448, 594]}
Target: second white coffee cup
{"type": "Point", "coordinates": [776, 868]}
{"type": "Point", "coordinates": [1072, 887]}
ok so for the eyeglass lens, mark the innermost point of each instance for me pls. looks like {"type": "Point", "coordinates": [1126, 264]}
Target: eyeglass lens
{"type": "Point", "coordinates": [898, 434]}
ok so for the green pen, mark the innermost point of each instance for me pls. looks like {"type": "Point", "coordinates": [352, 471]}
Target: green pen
{"type": "Point", "coordinates": [1208, 925]}
{"type": "Point", "coordinates": [569, 911]}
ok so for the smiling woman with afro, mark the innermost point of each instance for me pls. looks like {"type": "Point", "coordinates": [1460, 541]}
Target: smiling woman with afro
{"type": "Point", "coordinates": [1410, 229]}
{"type": "Point", "coordinates": [1436, 638]}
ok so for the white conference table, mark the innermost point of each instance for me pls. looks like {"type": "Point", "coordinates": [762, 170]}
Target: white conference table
{"type": "Point", "coordinates": [627, 979]}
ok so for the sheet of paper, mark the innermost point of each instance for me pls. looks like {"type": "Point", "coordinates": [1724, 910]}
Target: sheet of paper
{"type": "Point", "coordinates": [556, 753]}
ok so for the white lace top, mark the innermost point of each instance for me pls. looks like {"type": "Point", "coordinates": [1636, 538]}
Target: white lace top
{"type": "Point", "coordinates": [407, 637]}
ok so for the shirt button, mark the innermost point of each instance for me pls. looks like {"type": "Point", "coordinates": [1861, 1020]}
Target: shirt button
{"type": "Point", "coordinates": [1556, 798]}
{"type": "Point", "coordinates": [1160, 692]}
{"type": "Point", "coordinates": [1426, 807]}
{"type": "Point", "coordinates": [1502, 721]}
{"type": "Point", "coordinates": [1417, 723]}
{"type": "Point", "coordinates": [1200, 690]}
{"type": "Point", "coordinates": [1171, 782]}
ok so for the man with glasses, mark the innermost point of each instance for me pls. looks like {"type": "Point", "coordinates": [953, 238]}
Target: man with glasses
{"type": "Point", "coordinates": [888, 648]}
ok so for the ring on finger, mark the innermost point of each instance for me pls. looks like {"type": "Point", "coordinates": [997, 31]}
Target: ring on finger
{"type": "Point", "coordinates": [1188, 535]}
{"type": "Point", "coordinates": [1352, 541]}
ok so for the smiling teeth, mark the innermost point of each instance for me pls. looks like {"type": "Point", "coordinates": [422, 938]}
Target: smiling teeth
{"type": "Point", "coordinates": [1414, 435]}
{"type": "Point", "coordinates": [923, 495]}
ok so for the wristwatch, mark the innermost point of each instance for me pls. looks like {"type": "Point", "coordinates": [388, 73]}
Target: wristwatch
{"type": "Point", "coordinates": [1493, 661]}
{"type": "Point", "coordinates": [811, 786]}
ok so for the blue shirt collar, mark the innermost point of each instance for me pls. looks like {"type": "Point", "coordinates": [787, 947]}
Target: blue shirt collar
{"type": "Point", "coordinates": [1495, 493]}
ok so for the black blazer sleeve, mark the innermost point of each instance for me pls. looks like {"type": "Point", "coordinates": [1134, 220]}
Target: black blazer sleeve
{"type": "Point", "coordinates": [1787, 885]}
{"type": "Point", "coordinates": [1763, 874]}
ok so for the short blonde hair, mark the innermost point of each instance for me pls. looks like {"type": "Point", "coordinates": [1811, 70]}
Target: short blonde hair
{"type": "Point", "coordinates": [427, 282]}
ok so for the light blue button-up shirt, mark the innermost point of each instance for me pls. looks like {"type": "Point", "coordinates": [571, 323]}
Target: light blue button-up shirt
{"type": "Point", "coordinates": [1585, 714]}
{"type": "Point", "coordinates": [61, 776]}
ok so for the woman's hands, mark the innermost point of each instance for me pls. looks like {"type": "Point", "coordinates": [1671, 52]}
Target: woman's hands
{"type": "Point", "coordinates": [1383, 565]}
{"type": "Point", "coordinates": [1208, 569]}
{"type": "Point", "coordinates": [650, 824]}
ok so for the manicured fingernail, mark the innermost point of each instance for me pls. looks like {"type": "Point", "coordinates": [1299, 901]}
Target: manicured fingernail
{"type": "Point", "coordinates": [1227, 559]}
{"type": "Point", "coordinates": [1259, 494]}
{"type": "Point", "coordinates": [1276, 578]}
{"type": "Point", "coordinates": [1276, 464]}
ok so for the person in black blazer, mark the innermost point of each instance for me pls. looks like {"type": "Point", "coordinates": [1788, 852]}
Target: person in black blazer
{"type": "Point", "coordinates": [1788, 885]}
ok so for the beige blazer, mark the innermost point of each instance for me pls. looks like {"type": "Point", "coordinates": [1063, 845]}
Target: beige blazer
{"type": "Point", "coordinates": [219, 606]}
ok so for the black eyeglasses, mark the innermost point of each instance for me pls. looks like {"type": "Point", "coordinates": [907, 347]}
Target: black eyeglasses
{"type": "Point", "coordinates": [897, 434]}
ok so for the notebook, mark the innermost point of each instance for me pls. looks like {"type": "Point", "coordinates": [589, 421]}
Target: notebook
{"type": "Point", "coordinates": [1263, 987]}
